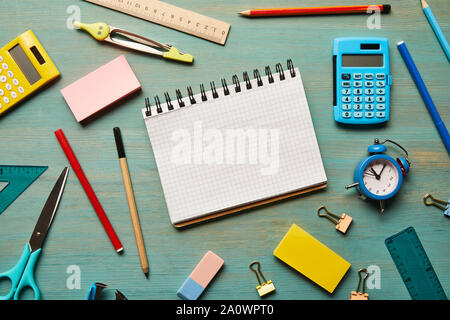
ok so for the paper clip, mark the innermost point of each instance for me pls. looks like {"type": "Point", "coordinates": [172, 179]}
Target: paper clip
{"type": "Point", "coordinates": [357, 295]}
{"type": "Point", "coordinates": [344, 220]}
{"type": "Point", "coordinates": [441, 204]}
{"type": "Point", "coordinates": [264, 287]}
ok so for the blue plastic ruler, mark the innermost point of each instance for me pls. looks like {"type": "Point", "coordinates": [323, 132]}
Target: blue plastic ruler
{"type": "Point", "coordinates": [18, 179]}
{"type": "Point", "coordinates": [414, 266]}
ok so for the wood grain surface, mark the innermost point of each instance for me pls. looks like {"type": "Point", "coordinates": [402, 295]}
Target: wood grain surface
{"type": "Point", "coordinates": [77, 237]}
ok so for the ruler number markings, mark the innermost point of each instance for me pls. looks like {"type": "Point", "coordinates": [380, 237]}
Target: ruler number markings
{"type": "Point", "coordinates": [172, 17]}
{"type": "Point", "coordinates": [414, 272]}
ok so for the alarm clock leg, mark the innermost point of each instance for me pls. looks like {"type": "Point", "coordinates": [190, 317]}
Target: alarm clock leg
{"type": "Point", "coordinates": [382, 206]}
{"type": "Point", "coordinates": [352, 185]}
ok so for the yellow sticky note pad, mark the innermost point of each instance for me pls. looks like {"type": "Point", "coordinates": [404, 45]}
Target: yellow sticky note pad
{"type": "Point", "coordinates": [311, 258]}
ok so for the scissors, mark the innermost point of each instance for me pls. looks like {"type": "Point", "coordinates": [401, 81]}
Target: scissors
{"type": "Point", "coordinates": [103, 32]}
{"type": "Point", "coordinates": [22, 275]}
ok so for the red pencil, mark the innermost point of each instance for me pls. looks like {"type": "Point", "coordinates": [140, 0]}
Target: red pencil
{"type": "Point", "coordinates": [384, 8]}
{"type": "Point", "coordinates": [88, 189]}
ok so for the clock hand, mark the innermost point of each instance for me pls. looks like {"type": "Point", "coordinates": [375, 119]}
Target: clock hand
{"type": "Point", "coordinates": [384, 166]}
{"type": "Point", "coordinates": [369, 174]}
{"type": "Point", "coordinates": [376, 174]}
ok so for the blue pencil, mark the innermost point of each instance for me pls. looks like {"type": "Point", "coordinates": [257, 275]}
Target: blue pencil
{"type": "Point", "coordinates": [437, 30]}
{"type": "Point", "coordinates": [424, 93]}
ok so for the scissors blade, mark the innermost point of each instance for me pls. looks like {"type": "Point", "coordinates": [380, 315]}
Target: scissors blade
{"type": "Point", "coordinates": [48, 212]}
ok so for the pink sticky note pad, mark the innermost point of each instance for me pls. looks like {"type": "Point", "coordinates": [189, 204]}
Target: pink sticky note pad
{"type": "Point", "coordinates": [206, 269]}
{"type": "Point", "coordinates": [100, 88]}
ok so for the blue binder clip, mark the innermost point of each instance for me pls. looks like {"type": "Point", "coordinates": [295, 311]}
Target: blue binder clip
{"type": "Point", "coordinates": [443, 205]}
{"type": "Point", "coordinates": [96, 289]}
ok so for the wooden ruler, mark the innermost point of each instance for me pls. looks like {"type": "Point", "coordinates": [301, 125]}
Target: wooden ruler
{"type": "Point", "coordinates": [171, 16]}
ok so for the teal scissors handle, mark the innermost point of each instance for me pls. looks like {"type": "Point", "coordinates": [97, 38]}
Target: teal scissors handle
{"type": "Point", "coordinates": [22, 275]}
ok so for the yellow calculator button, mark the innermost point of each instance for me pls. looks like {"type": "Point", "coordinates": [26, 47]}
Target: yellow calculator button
{"type": "Point", "coordinates": [25, 67]}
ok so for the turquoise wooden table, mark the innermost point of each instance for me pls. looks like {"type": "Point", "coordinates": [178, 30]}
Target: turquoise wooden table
{"type": "Point", "coordinates": [77, 240]}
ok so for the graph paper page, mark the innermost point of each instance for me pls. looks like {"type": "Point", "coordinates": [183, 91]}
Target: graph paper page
{"type": "Point", "coordinates": [235, 149]}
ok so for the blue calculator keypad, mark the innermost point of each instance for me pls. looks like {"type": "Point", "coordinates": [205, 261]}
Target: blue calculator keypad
{"type": "Point", "coordinates": [361, 80]}
{"type": "Point", "coordinates": [363, 96]}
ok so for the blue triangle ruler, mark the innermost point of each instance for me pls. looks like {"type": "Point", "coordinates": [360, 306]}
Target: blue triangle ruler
{"type": "Point", "coordinates": [18, 178]}
{"type": "Point", "coordinates": [414, 266]}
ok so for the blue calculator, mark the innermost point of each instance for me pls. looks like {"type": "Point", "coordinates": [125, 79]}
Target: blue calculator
{"type": "Point", "coordinates": [361, 80]}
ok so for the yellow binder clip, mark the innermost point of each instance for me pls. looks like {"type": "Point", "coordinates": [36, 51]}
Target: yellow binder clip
{"type": "Point", "coordinates": [342, 224]}
{"type": "Point", "coordinates": [357, 295]}
{"type": "Point", "coordinates": [429, 200]}
{"type": "Point", "coordinates": [103, 32]}
{"type": "Point", "coordinates": [264, 287]}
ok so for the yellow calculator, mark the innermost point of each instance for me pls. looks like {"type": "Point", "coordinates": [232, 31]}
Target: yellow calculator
{"type": "Point", "coordinates": [24, 68]}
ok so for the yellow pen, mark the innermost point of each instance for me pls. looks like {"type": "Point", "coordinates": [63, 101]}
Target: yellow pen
{"type": "Point", "coordinates": [103, 32]}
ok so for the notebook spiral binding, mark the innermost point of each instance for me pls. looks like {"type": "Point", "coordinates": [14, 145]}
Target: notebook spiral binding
{"type": "Point", "coordinates": [215, 92]}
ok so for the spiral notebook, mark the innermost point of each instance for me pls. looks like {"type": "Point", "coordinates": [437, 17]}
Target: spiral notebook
{"type": "Point", "coordinates": [234, 147]}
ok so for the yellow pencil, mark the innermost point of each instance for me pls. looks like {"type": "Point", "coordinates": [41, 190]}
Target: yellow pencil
{"type": "Point", "coordinates": [131, 202]}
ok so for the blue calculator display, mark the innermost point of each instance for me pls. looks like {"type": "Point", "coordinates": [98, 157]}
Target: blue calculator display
{"type": "Point", "coordinates": [361, 80]}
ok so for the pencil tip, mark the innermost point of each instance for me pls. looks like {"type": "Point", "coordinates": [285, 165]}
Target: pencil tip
{"type": "Point", "coordinates": [245, 13]}
{"type": "Point", "coordinates": [424, 4]}
{"type": "Point", "coordinates": [145, 270]}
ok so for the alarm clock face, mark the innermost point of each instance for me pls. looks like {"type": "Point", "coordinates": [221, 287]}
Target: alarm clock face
{"type": "Point", "coordinates": [381, 177]}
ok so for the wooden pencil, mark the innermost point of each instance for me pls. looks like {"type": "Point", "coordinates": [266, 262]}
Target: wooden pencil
{"type": "Point", "coordinates": [363, 9]}
{"type": "Point", "coordinates": [131, 202]}
{"type": "Point", "coordinates": [436, 28]}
